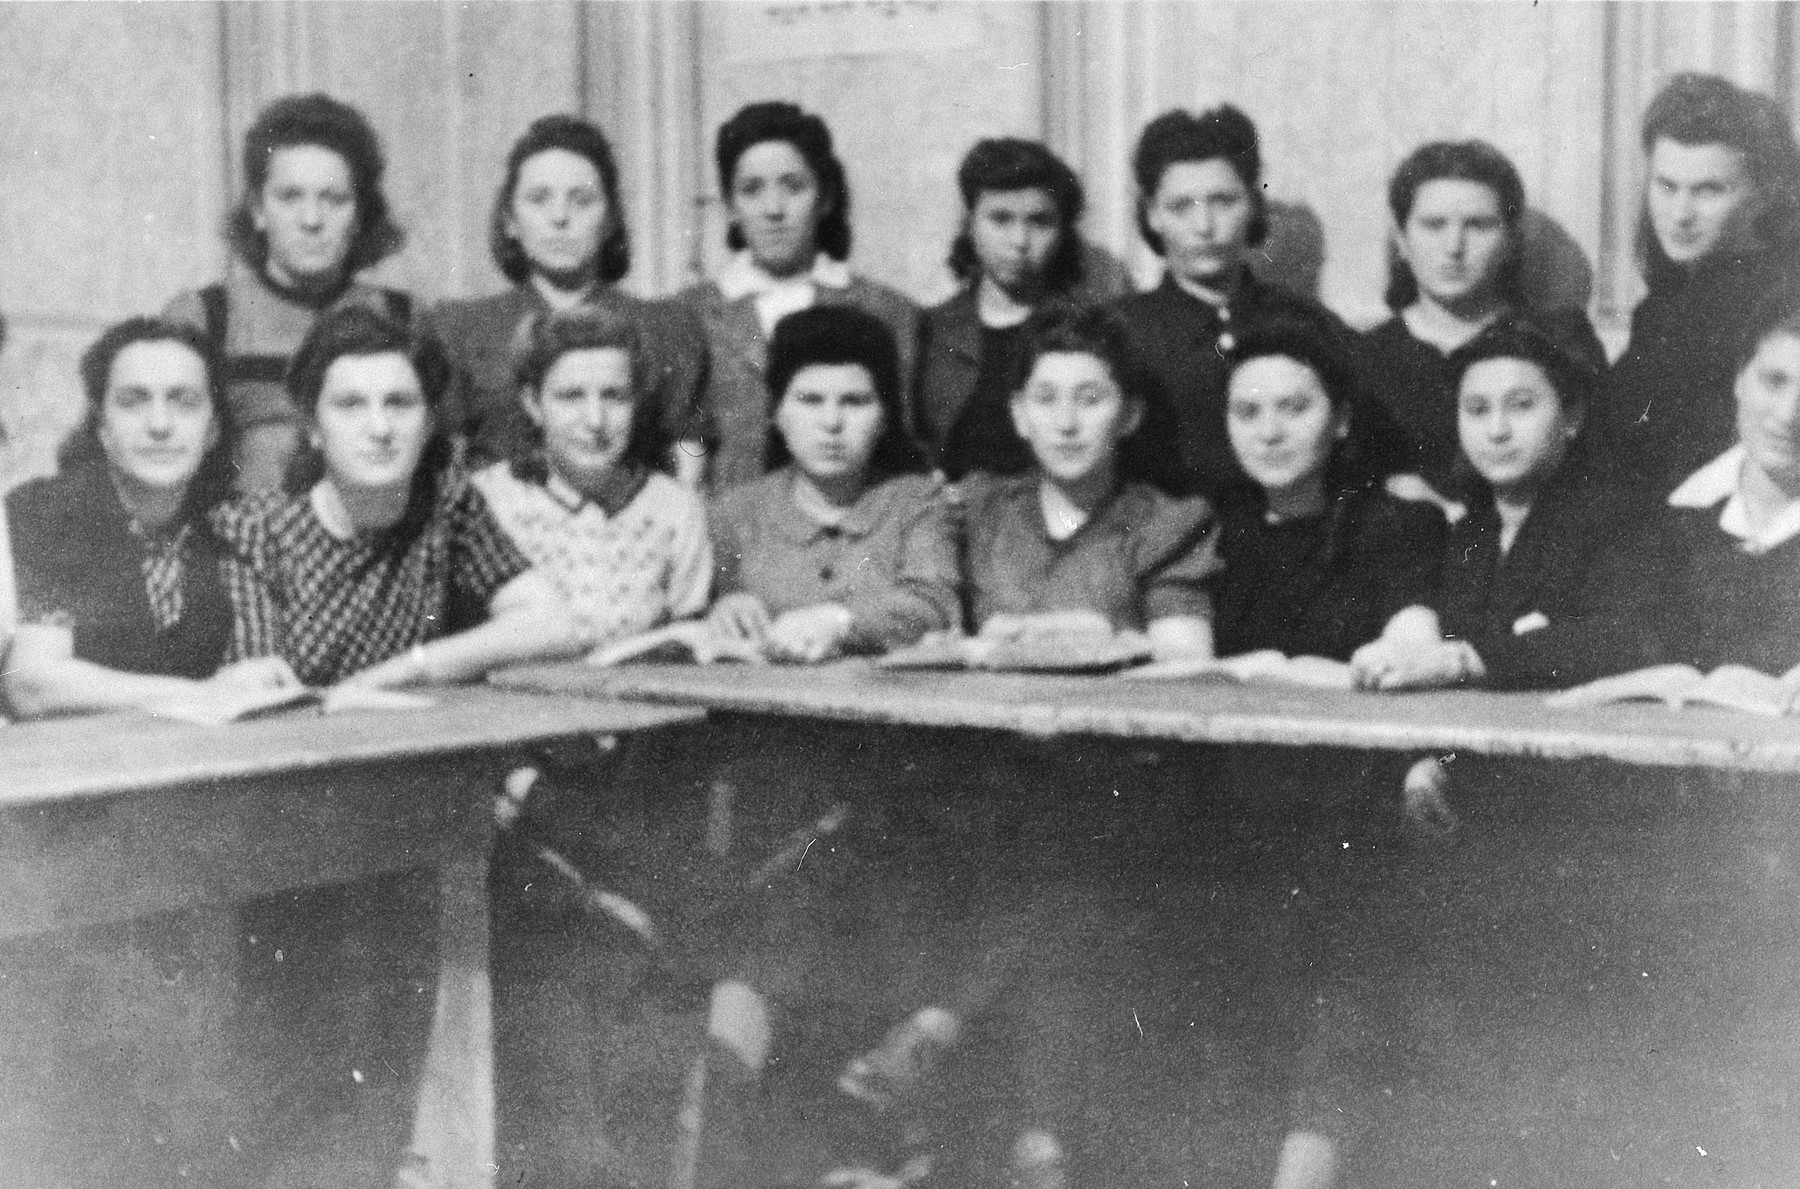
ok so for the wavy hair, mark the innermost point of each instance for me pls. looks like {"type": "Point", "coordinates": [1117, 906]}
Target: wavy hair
{"type": "Point", "coordinates": [212, 481]}
{"type": "Point", "coordinates": [319, 120]}
{"type": "Point", "coordinates": [832, 335]}
{"type": "Point", "coordinates": [546, 337]}
{"type": "Point", "coordinates": [1465, 161]}
{"type": "Point", "coordinates": [585, 140]}
{"type": "Point", "coordinates": [759, 123]}
{"type": "Point", "coordinates": [1223, 133]}
{"type": "Point", "coordinates": [1008, 163]}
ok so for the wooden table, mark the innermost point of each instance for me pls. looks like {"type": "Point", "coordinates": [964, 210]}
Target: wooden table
{"type": "Point", "coordinates": [112, 818]}
{"type": "Point", "coordinates": [1476, 722]}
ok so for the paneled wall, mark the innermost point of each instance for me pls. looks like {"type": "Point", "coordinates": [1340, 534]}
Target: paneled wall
{"type": "Point", "coordinates": [121, 122]}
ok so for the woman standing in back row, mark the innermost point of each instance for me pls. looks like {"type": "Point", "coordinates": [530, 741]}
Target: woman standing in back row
{"type": "Point", "coordinates": [311, 217]}
{"type": "Point", "coordinates": [789, 206]}
{"type": "Point", "coordinates": [558, 234]}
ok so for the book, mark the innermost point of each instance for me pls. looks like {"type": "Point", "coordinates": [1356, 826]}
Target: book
{"type": "Point", "coordinates": [1735, 687]}
{"type": "Point", "coordinates": [1030, 652]}
{"type": "Point", "coordinates": [211, 706]}
{"type": "Point", "coordinates": [1265, 665]}
{"type": "Point", "coordinates": [691, 641]}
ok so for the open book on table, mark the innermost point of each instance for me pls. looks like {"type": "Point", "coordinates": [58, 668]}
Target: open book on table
{"type": "Point", "coordinates": [1266, 665]}
{"type": "Point", "coordinates": [1032, 652]}
{"type": "Point", "coordinates": [690, 641]}
{"type": "Point", "coordinates": [1736, 687]}
{"type": "Point", "coordinates": [210, 706]}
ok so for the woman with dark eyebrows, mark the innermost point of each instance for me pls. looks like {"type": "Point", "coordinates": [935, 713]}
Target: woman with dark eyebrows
{"type": "Point", "coordinates": [1455, 265]}
{"type": "Point", "coordinates": [1719, 230]}
{"type": "Point", "coordinates": [558, 233]}
{"type": "Point", "coordinates": [789, 204]}
{"type": "Point", "coordinates": [1201, 208]}
{"type": "Point", "coordinates": [311, 217]}
{"type": "Point", "coordinates": [1019, 256]}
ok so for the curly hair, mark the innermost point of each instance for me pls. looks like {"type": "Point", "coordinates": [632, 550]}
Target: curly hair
{"type": "Point", "coordinates": [1007, 164]}
{"type": "Point", "coordinates": [1704, 109]}
{"type": "Point", "coordinates": [1222, 133]}
{"type": "Point", "coordinates": [212, 481]}
{"type": "Point", "coordinates": [831, 335]}
{"type": "Point", "coordinates": [319, 120]}
{"type": "Point", "coordinates": [1307, 342]}
{"type": "Point", "coordinates": [1095, 331]}
{"type": "Point", "coordinates": [1466, 161]}
{"type": "Point", "coordinates": [546, 337]}
{"type": "Point", "coordinates": [759, 123]}
{"type": "Point", "coordinates": [572, 135]}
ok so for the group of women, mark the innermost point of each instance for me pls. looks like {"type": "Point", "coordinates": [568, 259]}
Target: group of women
{"type": "Point", "coordinates": [293, 476]}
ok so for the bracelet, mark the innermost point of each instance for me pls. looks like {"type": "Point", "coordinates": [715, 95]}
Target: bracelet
{"type": "Point", "coordinates": [416, 654]}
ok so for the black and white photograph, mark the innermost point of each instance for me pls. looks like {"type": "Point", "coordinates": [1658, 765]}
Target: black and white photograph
{"type": "Point", "coordinates": [899, 594]}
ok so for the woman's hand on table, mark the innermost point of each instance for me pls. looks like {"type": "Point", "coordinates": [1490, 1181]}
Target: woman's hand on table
{"type": "Point", "coordinates": [1402, 662]}
{"type": "Point", "coordinates": [740, 616]}
{"type": "Point", "coordinates": [257, 672]}
{"type": "Point", "coordinates": [809, 634]}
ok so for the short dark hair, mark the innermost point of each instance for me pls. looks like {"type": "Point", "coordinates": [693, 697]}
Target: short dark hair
{"type": "Point", "coordinates": [1703, 109]}
{"type": "Point", "coordinates": [1006, 164]}
{"type": "Point", "coordinates": [320, 120]}
{"type": "Point", "coordinates": [359, 330]}
{"type": "Point", "coordinates": [1089, 330]}
{"type": "Point", "coordinates": [1176, 136]}
{"type": "Point", "coordinates": [1309, 343]}
{"type": "Point", "coordinates": [546, 337]}
{"type": "Point", "coordinates": [212, 482]}
{"type": "Point", "coordinates": [759, 123]}
{"type": "Point", "coordinates": [832, 335]}
{"type": "Point", "coordinates": [1466, 161]}
{"type": "Point", "coordinates": [574, 135]}
{"type": "Point", "coordinates": [1575, 377]}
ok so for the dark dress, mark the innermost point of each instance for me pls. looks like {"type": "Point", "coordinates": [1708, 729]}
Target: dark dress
{"type": "Point", "coordinates": [967, 375]}
{"type": "Point", "coordinates": [1412, 397]}
{"type": "Point", "coordinates": [1669, 408]}
{"type": "Point", "coordinates": [135, 603]}
{"type": "Point", "coordinates": [1576, 596]}
{"type": "Point", "coordinates": [1324, 585]}
{"type": "Point", "coordinates": [1181, 345]}
{"type": "Point", "coordinates": [1727, 604]}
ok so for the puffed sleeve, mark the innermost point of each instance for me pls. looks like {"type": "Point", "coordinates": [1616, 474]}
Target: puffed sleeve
{"type": "Point", "coordinates": [484, 557]}
{"type": "Point", "coordinates": [925, 593]}
{"type": "Point", "coordinates": [1177, 558]}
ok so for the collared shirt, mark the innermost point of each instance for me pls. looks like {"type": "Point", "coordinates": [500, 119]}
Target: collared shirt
{"type": "Point", "coordinates": [631, 559]}
{"type": "Point", "coordinates": [891, 561]}
{"type": "Point", "coordinates": [777, 297]}
{"type": "Point", "coordinates": [1721, 479]}
{"type": "Point", "coordinates": [1140, 557]}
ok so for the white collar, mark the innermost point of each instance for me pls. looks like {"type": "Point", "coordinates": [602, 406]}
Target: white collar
{"type": "Point", "coordinates": [1721, 480]}
{"type": "Point", "coordinates": [742, 277]}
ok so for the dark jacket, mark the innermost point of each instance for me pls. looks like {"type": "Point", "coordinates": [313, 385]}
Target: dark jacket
{"type": "Point", "coordinates": [1181, 346]}
{"type": "Point", "coordinates": [1323, 586]}
{"type": "Point", "coordinates": [1668, 407]}
{"type": "Point", "coordinates": [1576, 596]}
{"type": "Point", "coordinates": [1411, 397]}
{"type": "Point", "coordinates": [77, 563]}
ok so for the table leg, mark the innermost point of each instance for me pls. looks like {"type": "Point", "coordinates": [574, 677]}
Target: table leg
{"type": "Point", "coordinates": [453, 1128]}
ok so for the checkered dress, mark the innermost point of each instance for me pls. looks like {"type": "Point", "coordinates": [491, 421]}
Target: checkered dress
{"type": "Point", "coordinates": [332, 607]}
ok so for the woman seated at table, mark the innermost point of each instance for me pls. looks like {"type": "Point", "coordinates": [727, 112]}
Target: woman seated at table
{"type": "Point", "coordinates": [122, 597]}
{"type": "Point", "coordinates": [1077, 533]}
{"type": "Point", "coordinates": [1549, 580]}
{"type": "Point", "coordinates": [1456, 263]}
{"type": "Point", "coordinates": [1316, 560]}
{"type": "Point", "coordinates": [1734, 594]}
{"type": "Point", "coordinates": [558, 233]}
{"type": "Point", "coordinates": [385, 567]}
{"type": "Point", "coordinates": [844, 547]}
{"type": "Point", "coordinates": [624, 544]}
